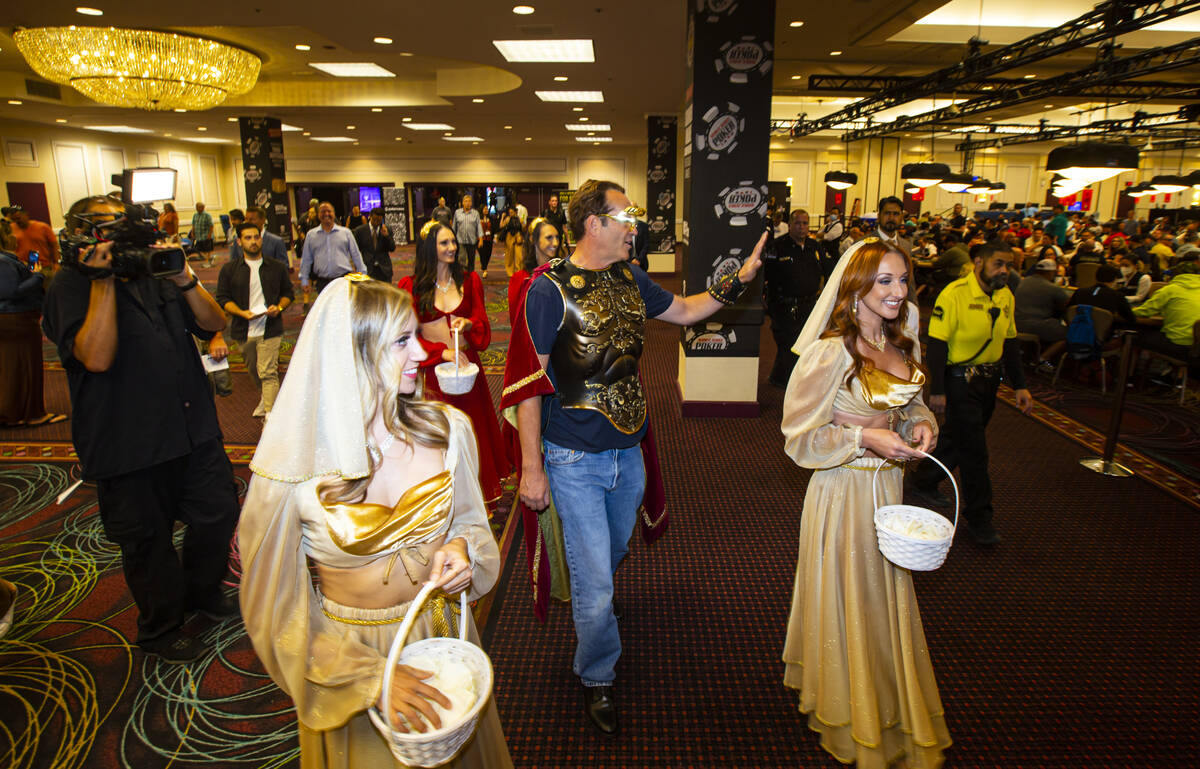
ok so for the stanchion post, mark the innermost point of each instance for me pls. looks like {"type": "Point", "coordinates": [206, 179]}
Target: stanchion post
{"type": "Point", "coordinates": [1105, 464]}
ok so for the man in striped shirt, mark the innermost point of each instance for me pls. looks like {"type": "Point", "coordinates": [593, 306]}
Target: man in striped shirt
{"type": "Point", "coordinates": [202, 233]}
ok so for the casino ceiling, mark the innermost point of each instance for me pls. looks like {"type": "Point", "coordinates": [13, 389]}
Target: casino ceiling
{"type": "Point", "coordinates": [854, 69]}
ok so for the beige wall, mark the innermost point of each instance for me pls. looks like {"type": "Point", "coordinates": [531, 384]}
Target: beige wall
{"type": "Point", "coordinates": [73, 162]}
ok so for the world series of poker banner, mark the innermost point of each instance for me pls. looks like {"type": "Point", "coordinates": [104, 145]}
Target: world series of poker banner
{"type": "Point", "coordinates": [262, 164]}
{"type": "Point", "coordinates": [660, 182]}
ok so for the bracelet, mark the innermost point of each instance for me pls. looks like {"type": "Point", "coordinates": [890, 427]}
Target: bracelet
{"type": "Point", "coordinates": [727, 289]}
{"type": "Point", "coordinates": [195, 281]}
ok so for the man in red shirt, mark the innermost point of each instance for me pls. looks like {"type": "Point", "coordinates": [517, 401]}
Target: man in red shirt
{"type": "Point", "coordinates": [33, 236]}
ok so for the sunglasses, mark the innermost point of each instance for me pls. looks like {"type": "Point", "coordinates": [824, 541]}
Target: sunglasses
{"type": "Point", "coordinates": [628, 217]}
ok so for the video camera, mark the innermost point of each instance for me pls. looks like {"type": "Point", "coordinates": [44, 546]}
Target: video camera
{"type": "Point", "coordinates": [133, 233]}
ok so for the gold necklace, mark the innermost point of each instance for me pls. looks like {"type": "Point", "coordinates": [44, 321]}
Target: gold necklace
{"type": "Point", "coordinates": [880, 345]}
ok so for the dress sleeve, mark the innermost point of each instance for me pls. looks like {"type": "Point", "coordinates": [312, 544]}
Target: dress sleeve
{"type": "Point", "coordinates": [470, 511]}
{"type": "Point", "coordinates": [810, 437]}
{"type": "Point", "coordinates": [916, 410]}
{"type": "Point", "coordinates": [480, 335]}
{"type": "Point", "coordinates": [328, 671]}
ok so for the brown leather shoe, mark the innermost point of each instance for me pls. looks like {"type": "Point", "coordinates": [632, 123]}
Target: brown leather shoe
{"type": "Point", "coordinates": [600, 707]}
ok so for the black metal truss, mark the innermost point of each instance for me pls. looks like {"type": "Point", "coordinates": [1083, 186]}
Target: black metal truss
{"type": "Point", "coordinates": [1167, 125]}
{"type": "Point", "coordinates": [1136, 91]}
{"type": "Point", "coordinates": [1102, 23]}
{"type": "Point", "coordinates": [1107, 70]}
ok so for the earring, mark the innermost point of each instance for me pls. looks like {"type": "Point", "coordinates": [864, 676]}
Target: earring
{"type": "Point", "coordinates": [854, 309]}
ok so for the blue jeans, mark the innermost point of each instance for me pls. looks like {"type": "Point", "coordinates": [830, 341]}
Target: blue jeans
{"type": "Point", "coordinates": [597, 495]}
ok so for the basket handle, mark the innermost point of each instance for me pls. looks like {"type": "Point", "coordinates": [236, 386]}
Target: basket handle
{"type": "Point", "coordinates": [938, 462]}
{"type": "Point", "coordinates": [410, 618]}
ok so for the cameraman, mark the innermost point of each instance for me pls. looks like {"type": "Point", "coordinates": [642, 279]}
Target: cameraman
{"type": "Point", "coordinates": [145, 429]}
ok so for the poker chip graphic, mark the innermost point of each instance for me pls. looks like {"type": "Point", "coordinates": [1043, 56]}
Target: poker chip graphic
{"type": "Point", "coordinates": [713, 10]}
{"type": "Point", "coordinates": [713, 337]}
{"type": "Point", "coordinates": [743, 58]}
{"type": "Point", "coordinates": [665, 199]}
{"type": "Point", "coordinates": [720, 130]}
{"type": "Point", "coordinates": [656, 174]}
{"type": "Point", "coordinates": [735, 204]}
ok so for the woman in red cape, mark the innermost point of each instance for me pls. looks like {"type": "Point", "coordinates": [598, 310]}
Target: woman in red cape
{"type": "Point", "coordinates": [447, 298]}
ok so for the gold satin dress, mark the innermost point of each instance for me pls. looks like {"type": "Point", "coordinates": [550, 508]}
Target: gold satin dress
{"type": "Point", "coordinates": [330, 657]}
{"type": "Point", "coordinates": [855, 646]}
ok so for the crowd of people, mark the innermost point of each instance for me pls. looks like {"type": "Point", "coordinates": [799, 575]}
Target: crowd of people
{"type": "Point", "coordinates": [377, 466]}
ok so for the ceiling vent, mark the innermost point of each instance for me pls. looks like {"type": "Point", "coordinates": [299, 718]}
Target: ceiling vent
{"type": "Point", "coordinates": [43, 89]}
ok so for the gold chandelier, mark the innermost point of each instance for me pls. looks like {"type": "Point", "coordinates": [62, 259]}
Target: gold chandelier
{"type": "Point", "coordinates": [140, 68]}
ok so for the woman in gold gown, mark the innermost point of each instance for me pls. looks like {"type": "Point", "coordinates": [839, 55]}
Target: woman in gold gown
{"type": "Point", "coordinates": [379, 492]}
{"type": "Point", "coordinates": [855, 646]}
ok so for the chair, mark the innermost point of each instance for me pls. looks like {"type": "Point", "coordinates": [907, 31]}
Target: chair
{"type": "Point", "coordinates": [1102, 323]}
{"type": "Point", "coordinates": [1085, 274]}
{"type": "Point", "coordinates": [226, 226]}
{"type": "Point", "coordinates": [1032, 340]}
{"type": "Point", "coordinates": [1180, 365]}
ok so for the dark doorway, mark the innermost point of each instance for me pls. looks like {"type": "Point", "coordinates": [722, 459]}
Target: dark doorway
{"type": "Point", "coordinates": [32, 197]}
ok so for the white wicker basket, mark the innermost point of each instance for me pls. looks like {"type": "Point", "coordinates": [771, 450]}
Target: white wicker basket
{"type": "Point", "coordinates": [435, 747]}
{"type": "Point", "coordinates": [913, 552]}
{"type": "Point", "coordinates": [456, 383]}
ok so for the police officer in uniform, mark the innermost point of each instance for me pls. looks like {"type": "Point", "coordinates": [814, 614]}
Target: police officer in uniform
{"type": "Point", "coordinates": [792, 274]}
{"type": "Point", "coordinates": [972, 336]}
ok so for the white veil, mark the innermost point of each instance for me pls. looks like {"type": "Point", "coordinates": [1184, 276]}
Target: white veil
{"type": "Point", "coordinates": [316, 425]}
{"type": "Point", "coordinates": [818, 319]}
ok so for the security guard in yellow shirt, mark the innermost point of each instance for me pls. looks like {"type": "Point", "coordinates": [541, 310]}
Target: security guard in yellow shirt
{"type": "Point", "coordinates": [971, 331]}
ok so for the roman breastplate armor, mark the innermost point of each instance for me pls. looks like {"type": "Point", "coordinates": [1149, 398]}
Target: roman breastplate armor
{"type": "Point", "coordinates": [595, 356]}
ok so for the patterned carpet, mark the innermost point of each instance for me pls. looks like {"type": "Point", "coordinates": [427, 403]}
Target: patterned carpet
{"type": "Point", "coordinates": [1072, 644]}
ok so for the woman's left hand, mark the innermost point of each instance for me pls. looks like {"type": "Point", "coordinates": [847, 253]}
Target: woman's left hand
{"type": "Point", "coordinates": [925, 437]}
{"type": "Point", "coordinates": [462, 324]}
{"type": "Point", "coordinates": [451, 569]}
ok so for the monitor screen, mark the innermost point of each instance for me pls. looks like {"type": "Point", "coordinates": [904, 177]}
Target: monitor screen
{"type": "Point", "coordinates": [369, 198]}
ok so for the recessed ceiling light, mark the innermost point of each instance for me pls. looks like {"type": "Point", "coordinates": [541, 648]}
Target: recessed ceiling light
{"type": "Point", "coordinates": [429, 126]}
{"type": "Point", "coordinates": [528, 138]}
{"type": "Point", "coordinates": [796, 24]}
{"type": "Point", "coordinates": [168, 134]}
{"type": "Point", "coordinates": [405, 120]}
{"type": "Point", "coordinates": [230, 120]}
{"type": "Point", "coordinates": [1048, 106]}
{"type": "Point", "coordinates": [405, 53]}
{"type": "Point", "coordinates": [986, 88]}
{"type": "Point", "coordinates": [591, 133]}
{"type": "Point", "coordinates": [377, 109]}
{"type": "Point", "coordinates": [399, 138]}
{"type": "Point", "coordinates": [350, 127]}
{"type": "Point", "coordinates": [15, 102]}
{"type": "Point", "coordinates": [1030, 77]}
{"type": "Point", "coordinates": [332, 139]}
{"type": "Point", "coordinates": [475, 139]}
{"type": "Point", "coordinates": [60, 120]}
{"type": "Point", "coordinates": [560, 78]}
{"type": "Point", "coordinates": [303, 47]}
{"type": "Point", "coordinates": [577, 109]}
{"type": "Point", "coordinates": [796, 77]}
{"type": "Point", "coordinates": [835, 53]}
{"type": "Point", "coordinates": [507, 128]}
{"type": "Point", "coordinates": [307, 133]}
{"type": "Point", "coordinates": [588, 96]}
{"type": "Point", "coordinates": [448, 133]}
{"type": "Point", "coordinates": [477, 101]}
{"type": "Point", "coordinates": [355, 144]}
{"type": "Point", "coordinates": [546, 50]}
{"type": "Point", "coordinates": [593, 127]}
{"type": "Point", "coordinates": [351, 68]}
{"type": "Point", "coordinates": [286, 127]}
{"type": "Point", "coordinates": [593, 138]}
{"type": "Point", "coordinates": [523, 10]}
{"type": "Point", "coordinates": [382, 40]}
{"type": "Point", "coordinates": [583, 119]}
{"type": "Point", "coordinates": [201, 128]}
{"type": "Point", "coordinates": [89, 11]}
{"type": "Point", "coordinates": [118, 129]}
{"type": "Point", "coordinates": [206, 140]}
{"type": "Point", "coordinates": [180, 109]}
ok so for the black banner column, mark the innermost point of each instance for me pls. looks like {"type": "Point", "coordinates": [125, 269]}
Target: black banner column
{"type": "Point", "coordinates": [661, 143]}
{"type": "Point", "coordinates": [727, 126]}
{"type": "Point", "coordinates": [262, 165]}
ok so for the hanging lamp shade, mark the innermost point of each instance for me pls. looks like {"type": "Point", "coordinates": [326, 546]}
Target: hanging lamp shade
{"type": "Point", "coordinates": [1092, 161]}
{"type": "Point", "coordinates": [925, 174]}
{"type": "Point", "coordinates": [912, 189]}
{"type": "Point", "coordinates": [1139, 190]}
{"type": "Point", "coordinates": [980, 186]}
{"type": "Point", "coordinates": [995, 188]}
{"type": "Point", "coordinates": [956, 182]}
{"type": "Point", "coordinates": [840, 180]}
{"type": "Point", "coordinates": [1194, 179]}
{"type": "Point", "coordinates": [1170, 183]}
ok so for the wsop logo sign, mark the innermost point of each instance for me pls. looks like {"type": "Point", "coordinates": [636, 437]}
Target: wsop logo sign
{"type": "Point", "coordinates": [742, 58]}
{"type": "Point", "coordinates": [725, 264]}
{"type": "Point", "coordinates": [656, 174]}
{"type": "Point", "coordinates": [735, 205]}
{"type": "Point", "coordinates": [713, 10]}
{"type": "Point", "coordinates": [719, 131]}
{"type": "Point", "coordinates": [660, 146]}
{"type": "Point", "coordinates": [714, 336]}
{"type": "Point", "coordinates": [665, 199]}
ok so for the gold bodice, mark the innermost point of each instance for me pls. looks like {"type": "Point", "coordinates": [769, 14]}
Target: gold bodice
{"type": "Point", "coordinates": [875, 390]}
{"type": "Point", "coordinates": [365, 528]}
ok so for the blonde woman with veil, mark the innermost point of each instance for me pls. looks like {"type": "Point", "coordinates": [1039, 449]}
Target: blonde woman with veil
{"type": "Point", "coordinates": [855, 646]}
{"type": "Point", "coordinates": [378, 491]}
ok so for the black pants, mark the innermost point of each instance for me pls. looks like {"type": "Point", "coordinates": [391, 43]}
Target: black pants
{"type": "Point", "coordinates": [466, 255]}
{"type": "Point", "coordinates": [787, 321]}
{"type": "Point", "coordinates": [485, 254]}
{"type": "Point", "coordinates": [963, 444]}
{"type": "Point", "coordinates": [139, 511]}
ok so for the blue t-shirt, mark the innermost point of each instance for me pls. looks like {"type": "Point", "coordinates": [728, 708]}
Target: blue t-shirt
{"type": "Point", "coordinates": [581, 429]}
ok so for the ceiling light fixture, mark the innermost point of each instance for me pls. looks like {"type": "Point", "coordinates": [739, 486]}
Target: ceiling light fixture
{"type": "Point", "coordinates": [332, 138]}
{"type": "Point", "coordinates": [507, 128]}
{"type": "Point", "coordinates": [835, 53]}
{"type": "Point", "coordinates": [1091, 162]}
{"type": "Point", "coordinates": [405, 120]}
{"type": "Point", "coordinates": [1169, 183]}
{"type": "Point", "coordinates": [577, 109]}
{"type": "Point", "coordinates": [377, 109]}
{"type": "Point", "coordinates": [351, 68]}
{"type": "Point", "coordinates": [840, 180]}
{"type": "Point", "coordinates": [546, 50]}
{"type": "Point", "coordinates": [995, 188]}
{"type": "Point", "coordinates": [429, 126]}
{"type": "Point", "coordinates": [180, 109]}
{"type": "Point", "coordinates": [477, 101]}
{"type": "Point", "coordinates": [593, 138]}
{"type": "Point", "coordinates": [462, 138]}
{"type": "Point", "coordinates": [592, 127]}
{"type": "Point", "coordinates": [382, 40]}
{"type": "Point", "coordinates": [796, 24]}
{"type": "Point", "coordinates": [956, 182]}
{"type": "Point", "coordinates": [560, 78]}
{"type": "Point", "coordinates": [230, 120]}
{"type": "Point", "coordinates": [1030, 77]}
{"type": "Point", "coordinates": [585, 96]}
{"type": "Point", "coordinates": [925, 174]}
{"type": "Point", "coordinates": [15, 102]}
{"type": "Point", "coordinates": [979, 187]}
{"type": "Point", "coordinates": [60, 120]}
{"type": "Point", "coordinates": [201, 128]}
{"type": "Point", "coordinates": [286, 127]}
{"type": "Point", "coordinates": [307, 133]}
{"type": "Point", "coordinates": [797, 77]}
{"type": "Point", "coordinates": [528, 138]}
{"type": "Point", "coordinates": [118, 129]}
{"type": "Point", "coordinates": [303, 47]}
{"type": "Point", "coordinates": [1139, 190]}
{"type": "Point", "coordinates": [399, 138]}
{"type": "Point", "coordinates": [89, 11]}
{"type": "Point", "coordinates": [139, 68]}
{"type": "Point", "coordinates": [523, 10]}
{"type": "Point", "coordinates": [351, 127]}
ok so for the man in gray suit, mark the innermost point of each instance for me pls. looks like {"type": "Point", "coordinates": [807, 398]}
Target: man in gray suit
{"type": "Point", "coordinates": [376, 243]}
{"type": "Point", "coordinates": [273, 246]}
